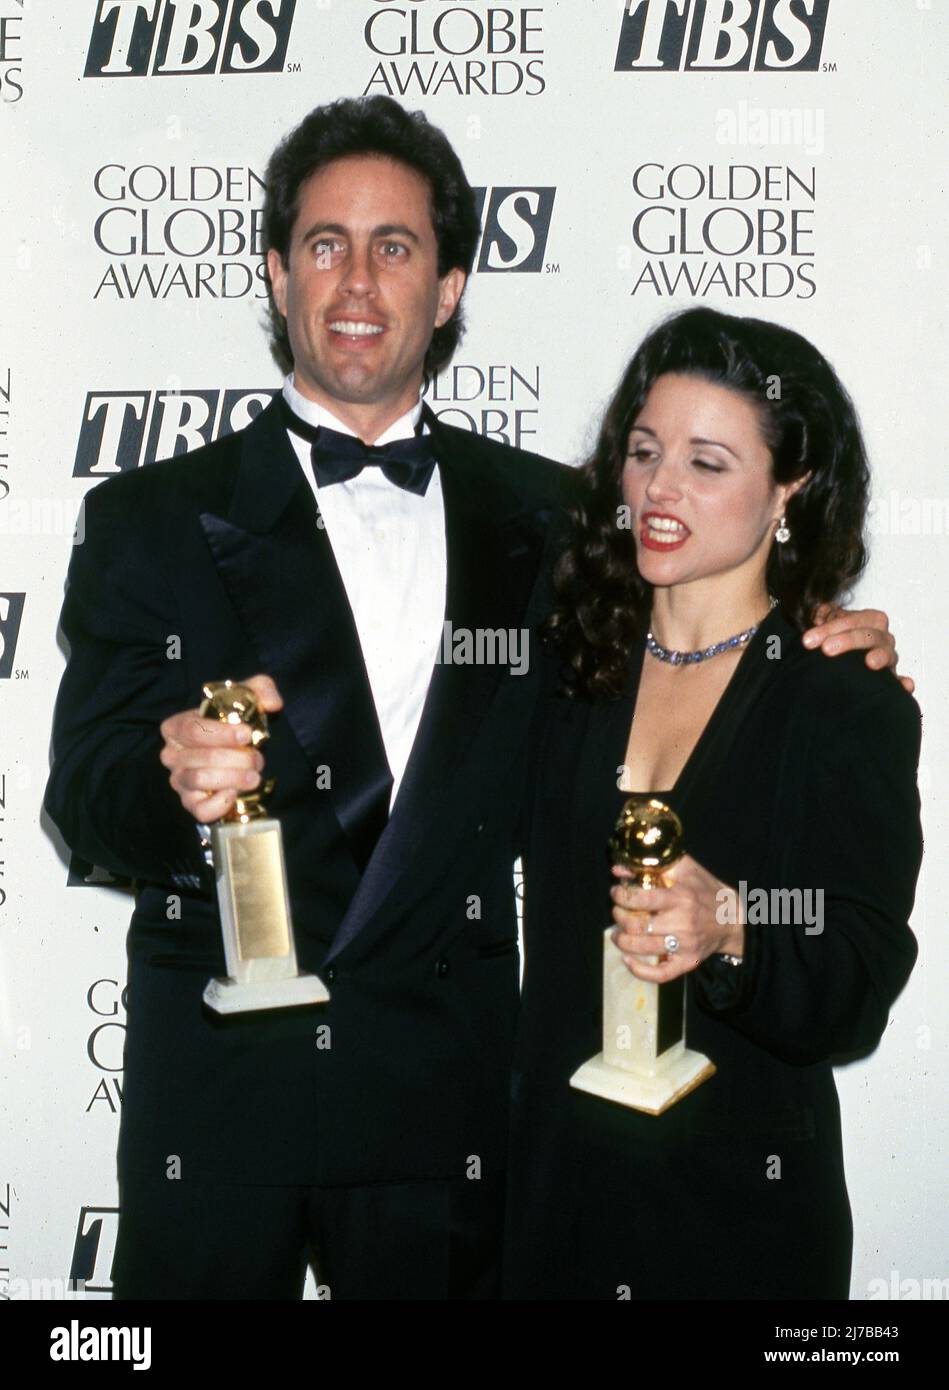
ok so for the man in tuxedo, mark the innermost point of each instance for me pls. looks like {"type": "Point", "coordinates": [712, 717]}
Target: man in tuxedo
{"type": "Point", "coordinates": [369, 1132]}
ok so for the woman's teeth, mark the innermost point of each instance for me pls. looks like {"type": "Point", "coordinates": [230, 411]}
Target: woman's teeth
{"type": "Point", "coordinates": [664, 530]}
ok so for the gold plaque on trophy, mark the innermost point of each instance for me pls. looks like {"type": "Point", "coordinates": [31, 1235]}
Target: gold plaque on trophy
{"type": "Point", "coordinates": [253, 874]}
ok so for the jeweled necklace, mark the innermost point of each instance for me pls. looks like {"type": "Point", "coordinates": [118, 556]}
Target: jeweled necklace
{"type": "Point", "coordinates": [687, 658]}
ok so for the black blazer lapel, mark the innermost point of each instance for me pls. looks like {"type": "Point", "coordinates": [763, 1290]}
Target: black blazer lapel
{"type": "Point", "coordinates": [278, 567]}
{"type": "Point", "coordinates": [751, 678]}
{"type": "Point", "coordinates": [601, 750]}
{"type": "Point", "coordinates": [493, 551]}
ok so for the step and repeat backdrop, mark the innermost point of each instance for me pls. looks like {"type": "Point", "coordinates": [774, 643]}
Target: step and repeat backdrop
{"type": "Point", "coordinates": [770, 157]}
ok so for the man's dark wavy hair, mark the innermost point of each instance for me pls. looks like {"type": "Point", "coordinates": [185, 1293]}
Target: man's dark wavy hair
{"type": "Point", "coordinates": [374, 125]}
{"type": "Point", "coordinates": [810, 425]}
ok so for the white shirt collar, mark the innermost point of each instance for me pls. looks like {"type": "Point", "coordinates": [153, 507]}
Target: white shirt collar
{"type": "Point", "coordinates": [318, 415]}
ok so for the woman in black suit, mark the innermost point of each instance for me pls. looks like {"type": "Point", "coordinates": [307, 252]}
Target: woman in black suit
{"type": "Point", "coordinates": [725, 502]}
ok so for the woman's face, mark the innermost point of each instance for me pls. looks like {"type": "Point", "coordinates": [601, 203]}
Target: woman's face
{"type": "Point", "coordinates": [698, 483]}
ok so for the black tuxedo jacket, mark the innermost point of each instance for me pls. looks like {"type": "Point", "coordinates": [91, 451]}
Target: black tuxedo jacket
{"type": "Point", "coordinates": [804, 778]}
{"type": "Point", "coordinates": [213, 566]}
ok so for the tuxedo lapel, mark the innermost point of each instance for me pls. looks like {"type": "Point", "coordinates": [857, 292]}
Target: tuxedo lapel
{"type": "Point", "coordinates": [493, 553]}
{"type": "Point", "coordinates": [278, 568]}
{"type": "Point", "coordinates": [493, 549]}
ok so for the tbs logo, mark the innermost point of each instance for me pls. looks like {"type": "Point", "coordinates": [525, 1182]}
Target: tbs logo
{"type": "Point", "coordinates": [94, 1249]}
{"type": "Point", "coordinates": [721, 36]}
{"type": "Point", "coordinates": [515, 224]}
{"type": "Point", "coordinates": [121, 430]}
{"type": "Point", "coordinates": [171, 38]}
{"type": "Point", "coordinates": [11, 614]}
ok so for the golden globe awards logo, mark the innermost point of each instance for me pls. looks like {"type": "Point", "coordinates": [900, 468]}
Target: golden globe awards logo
{"type": "Point", "coordinates": [434, 48]}
{"type": "Point", "coordinates": [6, 401]}
{"type": "Point", "coordinates": [721, 36]}
{"type": "Point", "coordinates": [11, 53]}
{"type": "Point", "coordinates": [498, 400]}
{"type": "Point", "coordinates": [105, 1046]}
{"type": "Point", "coordinates": [733, 230]}
{"type": "Point", "coordinates": [178, 38]}
{"type": "Point", "coordinates": [122, 430]}
{"type": "Point", "coordinates": [179, 232]}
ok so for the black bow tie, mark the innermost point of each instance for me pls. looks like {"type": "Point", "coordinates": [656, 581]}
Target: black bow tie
{"type": "Point", "coordinates": [408, 463]}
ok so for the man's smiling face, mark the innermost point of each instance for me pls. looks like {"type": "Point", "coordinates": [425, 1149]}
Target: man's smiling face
{"type": "Point", "coordinates": [361, 291]}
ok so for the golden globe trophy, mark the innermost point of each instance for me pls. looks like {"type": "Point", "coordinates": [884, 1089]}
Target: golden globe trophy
{"type": "Point", "coordinates": [247, 847]}
{"type": "Point", "coordinates": [645, 1063]}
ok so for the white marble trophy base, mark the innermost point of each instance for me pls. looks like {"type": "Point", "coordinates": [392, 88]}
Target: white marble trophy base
{"type": "Point", "coordinates": [653, 1094]}
{"type": "Point", "coordinates": [631, 1069]}
{"type": "Point", "coordinates": [236, 997]}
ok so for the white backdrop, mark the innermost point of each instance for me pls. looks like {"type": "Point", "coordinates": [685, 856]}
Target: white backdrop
{"type": "Point", "coordinates": [133, 326]}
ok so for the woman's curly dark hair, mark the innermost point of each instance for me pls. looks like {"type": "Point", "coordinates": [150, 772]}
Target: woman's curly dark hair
{"type": "Point", "coordinates": [810, 426]}
{"type": "Point", "coordinates": [374, 125]}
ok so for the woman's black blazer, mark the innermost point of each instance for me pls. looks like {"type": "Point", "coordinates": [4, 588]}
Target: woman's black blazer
{"type": "Point", "coordinates": [804, 778]}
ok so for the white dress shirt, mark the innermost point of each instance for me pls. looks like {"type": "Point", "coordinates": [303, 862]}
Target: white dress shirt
{"type": "Point", "coordinates": [390, 550]}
